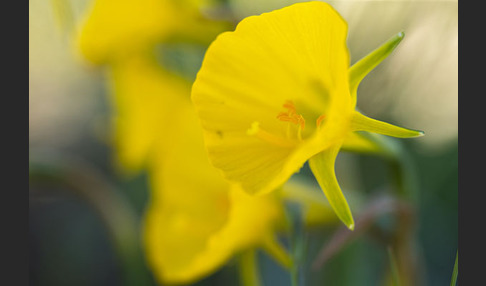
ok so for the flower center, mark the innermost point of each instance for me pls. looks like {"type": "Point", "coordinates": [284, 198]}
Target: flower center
{"type": "Point", "coordinates": [257, 131]}
{"type": "Point", "coordinates": [295, 126]}
{"type": "Point", "coordinates": [291, 115]}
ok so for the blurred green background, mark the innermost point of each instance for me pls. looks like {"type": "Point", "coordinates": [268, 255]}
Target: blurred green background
{"type": "Point", "coordinates": [416, 87]}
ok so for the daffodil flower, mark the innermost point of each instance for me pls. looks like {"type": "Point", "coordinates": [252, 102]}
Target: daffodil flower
{"type": "Point", "coordinates": [122, 36]}
{"type": "Point", "coordinates": [196, 220]}
{"type": "Point", "coordinates": [278, 91]}
{"type": "Point", "coordinates": [113, 30]}
{"type": "Point", "coordinates": [143, 99]}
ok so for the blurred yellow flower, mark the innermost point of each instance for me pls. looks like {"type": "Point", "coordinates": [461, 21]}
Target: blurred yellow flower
{"type": "Point", "coordinates": [196, 220]}
{"type": "Point", "coordinates": [277, 92]}
{"type": "Point", "coordinates": [113, 30]}
{"type": "Point", "coordinates": [122, 35]}
{"type": "Point", "coordinates": [144, 97]}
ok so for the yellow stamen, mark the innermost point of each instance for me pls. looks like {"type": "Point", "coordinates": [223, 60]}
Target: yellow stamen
{"type": "Point", "coordinates": [291, 115]}
{"type": "Point", "coordinates": [320, 119]}
{"type": "Point", "coordinates": [255, 130]}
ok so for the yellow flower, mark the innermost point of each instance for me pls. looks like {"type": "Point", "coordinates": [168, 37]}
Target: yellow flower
{"type": "Point", "coordinates": [143, 96]}
{"type": "Point", "coordinates": [122, 35]}
{"type": "Point", "coordinates": [277, 92]}
{"type": "Point", "coordinates": [196, 220]}
{"type": "Point", "coordinates": [115, 29]}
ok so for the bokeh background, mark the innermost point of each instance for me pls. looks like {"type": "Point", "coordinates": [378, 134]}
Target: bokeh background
{"type": "Point", "coordinates": [69, 110]}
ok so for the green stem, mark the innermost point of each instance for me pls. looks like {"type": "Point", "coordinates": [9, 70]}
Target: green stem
{"type": "Point", "coordinates": [393, 267]}
{"type": "Point", "coordinates": [294, 276]}
{"type": "Point", "coordinates": [273, 248]}
{"type": "Point", "coordinates": [408, 257]}
{"type": "Point", "coordinates": [455, 272]}
{"type": "Point", "coordinates": [248, 268]}
{"type": "Point", "coordinates": [297, 242]}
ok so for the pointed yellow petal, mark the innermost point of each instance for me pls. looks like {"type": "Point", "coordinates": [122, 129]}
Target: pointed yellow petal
{"type": "Point", "coordinates": [360, 69]}
{"type": "Point", "coordinates": [297, 54]}
{"type": "Point", "coordinates": [364, 123]}
{"type": "Point", "coordinates": [322, 166]}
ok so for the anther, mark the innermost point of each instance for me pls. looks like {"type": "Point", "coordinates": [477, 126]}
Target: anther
{"type": "Point", "coordinates": [257, 131]}
{"type": "Point", "coordinates": [320, 119]}
{"type": "Point", "coordinates": [291, 115]}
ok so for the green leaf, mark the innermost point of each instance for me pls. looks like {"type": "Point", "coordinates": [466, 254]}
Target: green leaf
{"type": "Point", "coordinates": [360, 69]}
{"type": "Point", "coordinates": [322, 165]}
{"type": "Point", "coordinates": [298, 245]}
{"type": "Point", "coordinates": [455, 272]}
{"type": "Point", "coordinates": [393, 267]}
